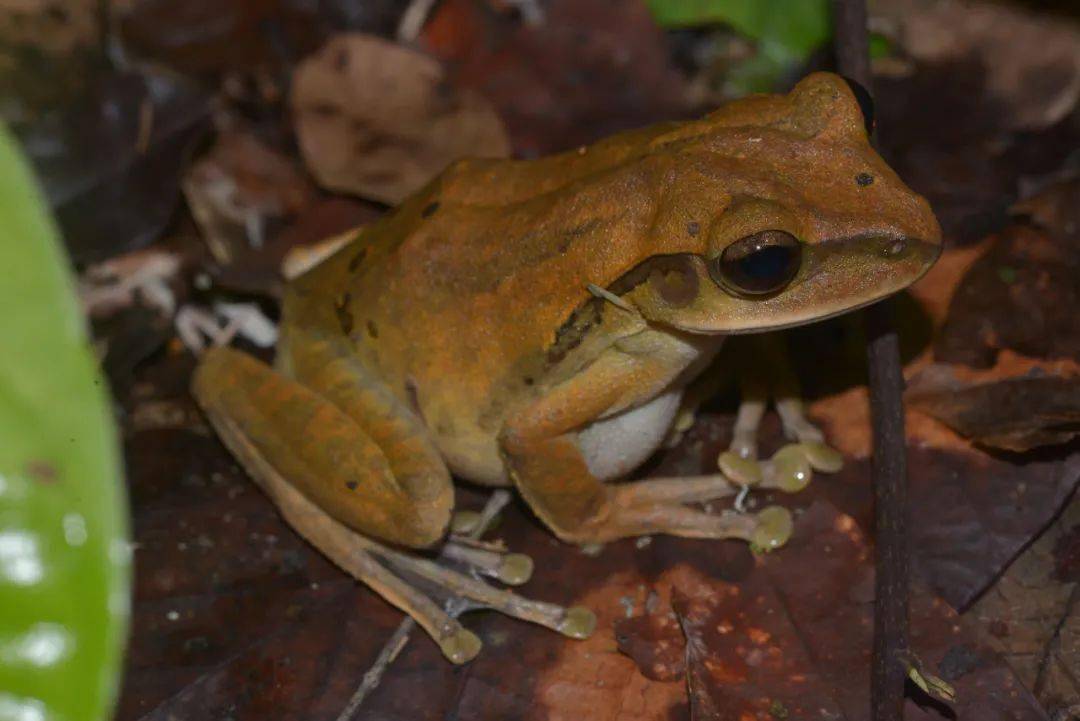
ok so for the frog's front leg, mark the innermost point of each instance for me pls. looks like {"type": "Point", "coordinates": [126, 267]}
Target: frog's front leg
{"type": "Point", "coordinates": [766, 374]}
{"type": "Point", "coordinates": [544, 457]}
{"type": "Point", "coordinates": [345, 464]}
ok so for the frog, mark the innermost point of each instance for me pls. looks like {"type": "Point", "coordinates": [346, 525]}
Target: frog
{"type": "Point", "coordinates": [535, 324]}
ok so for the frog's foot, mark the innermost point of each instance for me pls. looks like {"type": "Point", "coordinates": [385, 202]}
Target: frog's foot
{"type": "Point", "coordinates": [659, 502]}
{"type": "Point", "coordinates": [658, 505]}
{"type": "Point", "coordinates": [791, 468]}
{"type": "Point", "coordinates": [469, 592]}
{"type": "Point", "coordinates": [635, 515]}
{"type": "Point", "coordinates": [397, 576]}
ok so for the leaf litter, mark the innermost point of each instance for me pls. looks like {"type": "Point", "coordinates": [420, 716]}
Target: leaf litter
{"type": "Point", "coordinates": [215, 580]}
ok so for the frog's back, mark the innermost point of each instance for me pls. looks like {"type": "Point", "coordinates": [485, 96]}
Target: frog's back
{"type": "Point", "coordinates": [458, 298]}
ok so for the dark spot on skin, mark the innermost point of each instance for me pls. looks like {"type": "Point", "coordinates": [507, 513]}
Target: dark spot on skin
{"type": "Point", "coordinates": [413, 396]}
{"type": "Point", "coordinates": [429, 209]}
{"type": "Point", "coordinates": [529, 381]}
{"type": "Point", "coordinates": [357, 260]}
{"type": "Point", "coordinates": [864, 179]}
{"type": "Point", "coordinates": [574, 330]}
{"type": "Point", "coordinates": [693, 228]}
{"type": "Point", "coordinates": [344, 316]}
{"type": "Point", "coordinates": [582, 229]}
{"type": "Point", "coordinates": [372, 329]}
{"type": "Point", "coordinates": [569, 234]}
{"type": "Point", "coordinates": [351, 485]}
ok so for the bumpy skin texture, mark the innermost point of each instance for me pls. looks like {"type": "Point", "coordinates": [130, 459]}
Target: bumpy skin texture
{"type": "Point", "coordinates": [460, 333]}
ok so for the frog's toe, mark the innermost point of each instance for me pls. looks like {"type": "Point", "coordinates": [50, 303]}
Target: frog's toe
{"type": "Point", "coordinates": [789, 470]}
{"type": "Point", "coordinates": [822, 456]}
{"type": "Point", "coordinates": [463, 523]}
{"type": "Point", "coordinates": [513, 569]}
{"type": "Point", "coordinates": [740, 469]}
{"type": "Point", "coordinates": [460, 646]}
{"type": "Point", "coordinates": [773, 529]}
{"type": "Point", "coordinates": [579, 622]}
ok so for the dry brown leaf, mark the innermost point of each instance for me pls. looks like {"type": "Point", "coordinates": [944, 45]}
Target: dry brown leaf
{"type": "Point", "coordinates": [793, 638]}
{"type": "Point", "coordinates": [1032, 618]}
{"type": "Point", "coordinates": [379, 120]}
{"type": "Point", "coordinates": [1030, 64]}
{"type": "Point", "coordinates": [1012, 413]}
{"type": "Point", "coordinates": [590, 69]}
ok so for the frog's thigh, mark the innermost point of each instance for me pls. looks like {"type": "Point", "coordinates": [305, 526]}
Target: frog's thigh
{"type": "Point", "coordinates": [387, 484]}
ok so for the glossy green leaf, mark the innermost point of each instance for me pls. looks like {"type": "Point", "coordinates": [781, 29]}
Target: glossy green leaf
{"type": "Point", "coordinates": [64, 553]}
{"type": "Point", "coordinates": [786, 32]}
{"type": "Point", "coordinates": [795, 27]}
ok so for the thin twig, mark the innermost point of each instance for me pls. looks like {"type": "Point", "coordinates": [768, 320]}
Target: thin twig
{"type": "Point", "coordinates": [400, 637]}
{"type": "Point", "coordinates": [889, 469]}
{"type": "Point", "coordinates": [374, 675]}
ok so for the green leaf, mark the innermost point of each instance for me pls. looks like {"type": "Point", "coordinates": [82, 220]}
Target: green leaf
{"type": "Point", "coordinates": [880, 46]}
{"type": "Point", "coordinates": [64, 552]}
{"type": "Point", "coordinates": [783, 28]}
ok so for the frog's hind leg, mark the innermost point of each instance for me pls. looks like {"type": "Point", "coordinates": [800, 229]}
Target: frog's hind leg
{"type": "Point", "coordinates": [328, 476]}
{"type": "Point", "coordinates": [390, 484]}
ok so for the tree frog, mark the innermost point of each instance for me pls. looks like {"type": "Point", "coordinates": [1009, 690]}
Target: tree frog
{"type": "Point", "coordinates": [536, 324]}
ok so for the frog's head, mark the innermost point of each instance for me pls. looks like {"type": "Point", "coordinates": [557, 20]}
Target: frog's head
{"type": "Point", "coordinates": [784, 214]}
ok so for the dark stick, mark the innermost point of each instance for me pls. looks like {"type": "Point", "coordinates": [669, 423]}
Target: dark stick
{"type": "Point", "coordinates": [889, 467]}
{"type": "Point", "coordinates": [889, 472]}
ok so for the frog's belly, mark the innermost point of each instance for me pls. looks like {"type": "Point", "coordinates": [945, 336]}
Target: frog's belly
{"type": "Point", "coordinates": [615, 446]}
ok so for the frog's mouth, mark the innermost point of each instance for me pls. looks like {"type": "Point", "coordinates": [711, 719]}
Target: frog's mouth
{"type": "Point", "coordinates": [835, 277]}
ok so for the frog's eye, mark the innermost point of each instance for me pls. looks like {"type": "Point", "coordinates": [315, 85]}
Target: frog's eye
{"type": "Point", "coordinates": [760, 264]}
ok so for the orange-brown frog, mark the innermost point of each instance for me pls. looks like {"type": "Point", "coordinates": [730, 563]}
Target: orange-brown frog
{"type": "Point", "coordinates": [535, 324]}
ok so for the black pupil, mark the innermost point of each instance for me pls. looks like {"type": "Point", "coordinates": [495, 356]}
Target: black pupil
{"type": "Point", "coordinates": [765, 266]}
{"type": "Point", "coordinates": [760, 264]}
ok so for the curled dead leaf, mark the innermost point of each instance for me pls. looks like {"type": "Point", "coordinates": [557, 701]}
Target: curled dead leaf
{"type": "Point", "coordinates": [1014, 414]}
{"type": "Point", "coordinates": [379, 120]}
